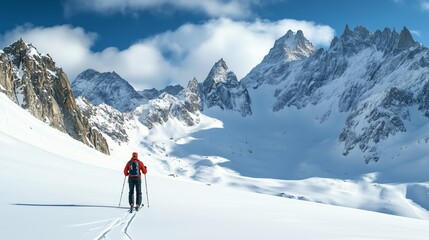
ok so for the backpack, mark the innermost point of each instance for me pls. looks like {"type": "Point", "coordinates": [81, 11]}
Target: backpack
{"type": "Point", "coordinates": [134, 169]}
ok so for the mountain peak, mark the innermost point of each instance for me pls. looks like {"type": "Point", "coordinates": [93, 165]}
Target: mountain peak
{"type": "Point", "coordinates": [290, 47]}
{"type": "Point", "coordinates": [19, 44]}
{"type": "Point", "coordinates": [361, 31]}
{"type": "Point", "coordinates": [90, 71]}
{"type": "Point", "coordinates": [405, 39]}
{"type": "Point", "coordinates": [221, 88]}
{"type": "Point", "coordinates": [38, 85]}
{"type": "Point", "coordinates": [347, 31]}
{"type": "Point", "coordinates": [219, 72]}
{"type": "Point", "coordinates": [18, 51]}
{"type": "Point", "coordinates": [289, 34]}
{"type": "Point", "coordinates": [108, 88]}
{"type": "Point", "coordinates": [221, 64]}
{"type": "Point", "coordinates": [299, 34]}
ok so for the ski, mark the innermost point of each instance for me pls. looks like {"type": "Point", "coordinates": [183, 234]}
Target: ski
{"type": "Point", "coordinates": [139, 207]}
{"type": "Point", "coordinates": [135, 208]}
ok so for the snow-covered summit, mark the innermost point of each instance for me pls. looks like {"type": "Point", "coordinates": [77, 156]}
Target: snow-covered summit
{"type": "Point", "coordinates": [220, 73]}
{"type": "Point", "coordinates": [107, 87]}
{"type": "Point", "coordinates": [289, 48]}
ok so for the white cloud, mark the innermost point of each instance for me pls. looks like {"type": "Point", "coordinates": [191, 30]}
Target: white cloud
{"type": "Point", "coordinates": [415, 32]}
{"type": "Point", "coordinates": [425, 6]}
{"type": "Point", "coordinates": [172, 57]}
{"type": "Point", "coordinates": [193, 49]}
{"type": "Point", "coordinates": [212, 8]}
{"type": "Point", "coordinates": [66, 44]}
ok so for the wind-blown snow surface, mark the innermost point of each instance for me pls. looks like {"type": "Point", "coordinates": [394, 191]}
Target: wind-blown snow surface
{"type": "Point", "coordinates": [54, 187]}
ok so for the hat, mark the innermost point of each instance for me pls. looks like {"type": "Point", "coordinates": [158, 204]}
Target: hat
{"type": "Point", "coordinates": [135, 154]}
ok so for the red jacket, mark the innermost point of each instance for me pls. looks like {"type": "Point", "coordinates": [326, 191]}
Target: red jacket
{"type": "Point", "coordinates": [141, 166]}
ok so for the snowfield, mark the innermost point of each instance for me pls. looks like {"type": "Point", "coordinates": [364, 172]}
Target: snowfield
{"type": "Point", "coordinates": [54, 187]}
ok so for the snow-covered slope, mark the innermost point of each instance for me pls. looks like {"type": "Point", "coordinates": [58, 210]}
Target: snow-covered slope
{"type": "Point", "coordinates": [54, 187]}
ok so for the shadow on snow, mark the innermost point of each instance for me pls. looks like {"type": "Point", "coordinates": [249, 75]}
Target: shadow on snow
{"type": "Point", "coordinates": [66, 205]}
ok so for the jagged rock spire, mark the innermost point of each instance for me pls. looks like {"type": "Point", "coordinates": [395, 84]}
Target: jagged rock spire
{"type": "Point", "coordinates": [347, 31]}
{"type": "Point", "coordinates": [221, 88]}
{"type": "Point", "coordinates": [405, 39]}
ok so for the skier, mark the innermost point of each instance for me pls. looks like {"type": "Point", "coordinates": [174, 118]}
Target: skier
{"type": "Point", "coordinates": [133, 170]}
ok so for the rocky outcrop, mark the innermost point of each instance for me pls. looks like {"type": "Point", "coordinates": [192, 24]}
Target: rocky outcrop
{"type": "Point", "coordinates": [184, 107]}
{"type": "Point", "coordinates": [222, 89]}
{"type": "Point", "coordinates": [34, 82]}
{"type": "Point", "coordinates": [107, 120]}
{"type": "Point", "coordinates": [385, 116]}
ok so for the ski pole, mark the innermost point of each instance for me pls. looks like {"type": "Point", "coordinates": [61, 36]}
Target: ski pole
{"type": "Point", "coordinates": [147, 194]}
{"type": "Point", "coordinates": [120, 199]}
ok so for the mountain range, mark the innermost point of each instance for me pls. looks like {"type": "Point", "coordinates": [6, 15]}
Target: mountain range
{"type": "Point", "coordinates": [374, 79]}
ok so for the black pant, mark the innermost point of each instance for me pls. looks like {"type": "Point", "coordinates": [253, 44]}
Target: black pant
{"type": "Point", "coordinates": [137, 183]}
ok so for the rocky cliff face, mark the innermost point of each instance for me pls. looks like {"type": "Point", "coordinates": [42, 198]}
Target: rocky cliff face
{"type": "Point", "coordinates": [107, 119]}
{"type": "Point", "coordinates": [222, 89]}
{"type": "Point", "coordinates": [34, 82]}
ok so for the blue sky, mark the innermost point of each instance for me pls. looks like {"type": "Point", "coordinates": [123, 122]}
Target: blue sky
{"type": "Point", "coordinates": [152, 43]}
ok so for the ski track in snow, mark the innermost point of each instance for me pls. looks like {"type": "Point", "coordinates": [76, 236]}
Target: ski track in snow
{"type": "Point", "coordinates": [115, 224]}
{"type": "Point", "coordinates": [124, 232]}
